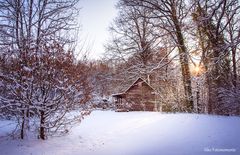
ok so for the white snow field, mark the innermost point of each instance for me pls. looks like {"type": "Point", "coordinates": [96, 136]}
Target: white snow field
{"type": "Point", "coordinates": [135, 133]}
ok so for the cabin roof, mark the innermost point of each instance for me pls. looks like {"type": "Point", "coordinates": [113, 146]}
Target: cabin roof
{"type": "Point", "coordinates": [136, 81]}
{"type": "Point", "coordinates": [118, 94]}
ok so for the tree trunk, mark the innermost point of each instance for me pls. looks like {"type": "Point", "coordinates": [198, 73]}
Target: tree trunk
{"type": "Point", "coordinates": [234, 67]}
{"type": "Point", "coordinates": [24, 123]}
{"type": "Point", "coordinates": [42, 128]}
{"type": "Point", "coordinates": [184, 61]}
{"type": "Point", "coordinates": [23, 126]}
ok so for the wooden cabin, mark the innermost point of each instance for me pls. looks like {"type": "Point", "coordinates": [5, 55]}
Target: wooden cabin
{"type": "Point", "coordinates": [140, 96]}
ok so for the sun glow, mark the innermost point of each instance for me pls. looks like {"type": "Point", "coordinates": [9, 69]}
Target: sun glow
{"type": "Point", "coordinates": [196, 70]}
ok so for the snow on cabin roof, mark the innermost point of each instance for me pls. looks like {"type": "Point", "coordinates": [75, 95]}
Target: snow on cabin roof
{"type": "Point", "coordinates": [136, 82]}
{"type": "Point", "coordinates": [119, 94]}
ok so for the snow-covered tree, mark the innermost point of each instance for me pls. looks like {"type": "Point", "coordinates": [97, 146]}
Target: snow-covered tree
{"type": "Point", "coordinates": [170, 16]}
{"type": "Point", "coordinates": [39, 74]}
{"type": "Point", "coordinates": [137, 47]}
{"type": "Point", "coordinates": [218, 35]}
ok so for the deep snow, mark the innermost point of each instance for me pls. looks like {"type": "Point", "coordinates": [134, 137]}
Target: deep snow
{"type": "Point", "coordinates": [135, 133]}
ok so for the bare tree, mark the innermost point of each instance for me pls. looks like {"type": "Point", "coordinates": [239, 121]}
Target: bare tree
{"type": "Point", "coordinates": [134, 39]}
{"type": "Point", "coordinates": [232, 33]}
{"type": "Point", "coordinates": [215, 20]}
{"type": "Point", "coordinates": [39, 72]}
{"type": "Point", "coordinates": [170, 16]}
{"type": "Point", "coordinates": [29, 23]}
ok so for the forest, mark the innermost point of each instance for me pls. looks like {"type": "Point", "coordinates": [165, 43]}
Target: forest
{"type": "Point", "coordinates": [188, 50]}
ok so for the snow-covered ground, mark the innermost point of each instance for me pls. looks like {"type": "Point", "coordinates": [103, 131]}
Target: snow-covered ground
{"type": "Point", "coordinates": [135, 133]}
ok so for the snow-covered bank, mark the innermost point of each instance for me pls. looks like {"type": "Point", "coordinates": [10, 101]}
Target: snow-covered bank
{"type": "Point", "coordinates": [147, 133]}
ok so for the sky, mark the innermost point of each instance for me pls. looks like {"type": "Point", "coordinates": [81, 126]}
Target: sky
{"type": "Point", "coordinates": [95, 18]}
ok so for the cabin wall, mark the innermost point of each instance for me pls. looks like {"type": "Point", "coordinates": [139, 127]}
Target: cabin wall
{"type": "Point", "coordinates": [140, 97]}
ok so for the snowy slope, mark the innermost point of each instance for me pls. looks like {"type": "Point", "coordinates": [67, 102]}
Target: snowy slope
{"type": "Point", "coordinates": [140, 133]}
